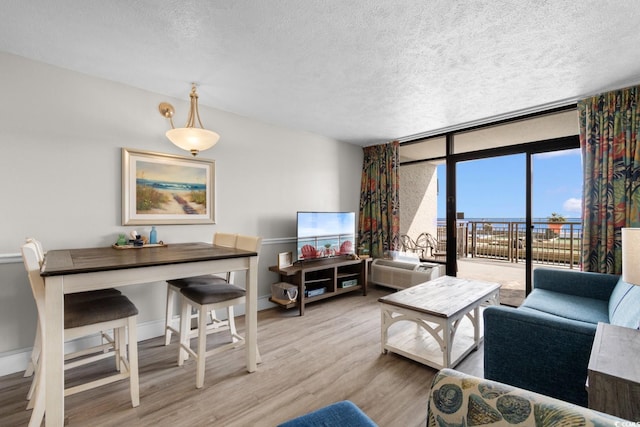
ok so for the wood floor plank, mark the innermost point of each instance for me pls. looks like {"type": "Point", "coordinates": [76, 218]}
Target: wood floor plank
{"type": "Point", "coordinates": [332, 353]}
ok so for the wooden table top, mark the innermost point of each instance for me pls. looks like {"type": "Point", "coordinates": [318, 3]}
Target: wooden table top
{"type": "Point", "coordinates": [73, 261]}
{"type": "Point", "coordinates": [442, 297]}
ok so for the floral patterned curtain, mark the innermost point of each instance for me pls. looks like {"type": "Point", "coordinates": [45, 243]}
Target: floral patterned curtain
{"type": "Point", "coordinates": [610, 143]}
{"type": "Point", "coordinates": [379, 219]}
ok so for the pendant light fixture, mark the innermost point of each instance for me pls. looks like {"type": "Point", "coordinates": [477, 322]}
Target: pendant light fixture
{"type": "Point", "coordinates": [191, 138]}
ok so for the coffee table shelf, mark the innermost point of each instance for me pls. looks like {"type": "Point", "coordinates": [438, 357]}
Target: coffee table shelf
{"type": "Point", "coordinates": [437, 323]}
{"type": "Point", "coordinates": [417, 344]}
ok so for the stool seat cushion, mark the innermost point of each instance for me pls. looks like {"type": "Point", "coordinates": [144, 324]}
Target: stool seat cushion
{"type": "Point", "coordinates": [90, 295]}
{"type": "Point", "coordinates": [212, 294]}
{"type": "Point", "coordinates": [91, 311]}
{"type": "Point", "coordinates": [207, 279]}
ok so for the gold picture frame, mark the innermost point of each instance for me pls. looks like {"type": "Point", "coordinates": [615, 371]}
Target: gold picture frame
{"type": "Point", "coordinates": [162, 188]}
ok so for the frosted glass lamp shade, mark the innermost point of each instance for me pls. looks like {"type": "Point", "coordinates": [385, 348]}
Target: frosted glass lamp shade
{"type": "Point", "coordinates": [631, 255]}
{"type": "Point", "coordinates": [193, 139]}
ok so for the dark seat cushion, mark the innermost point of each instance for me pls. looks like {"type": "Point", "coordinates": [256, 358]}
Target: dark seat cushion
{"type": "Point", "coordinates": [207, 279]}
{"type": "Point", "coordinates": [212, 294]}
{"type": "Point", "coordinates": [91, 311]}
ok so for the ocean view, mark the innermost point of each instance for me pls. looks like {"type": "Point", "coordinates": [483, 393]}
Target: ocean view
{"type": "Point", "coordinates": [171, 186]}
{"type": "Point", "coordinates": [568, 220]}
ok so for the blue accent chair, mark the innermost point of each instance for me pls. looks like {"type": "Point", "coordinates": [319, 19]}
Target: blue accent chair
{"type": "Point", "coordinates": [339, 414]}
{"type": "Point", "coordinates": [545, 344]}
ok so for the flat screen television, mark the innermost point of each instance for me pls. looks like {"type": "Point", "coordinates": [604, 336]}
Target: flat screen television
{"type": "Point", "coordinates": [325, 234]}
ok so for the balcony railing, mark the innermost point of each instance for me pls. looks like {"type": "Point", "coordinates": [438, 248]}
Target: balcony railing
{"type": "Point", "coordinates": [553, 243]}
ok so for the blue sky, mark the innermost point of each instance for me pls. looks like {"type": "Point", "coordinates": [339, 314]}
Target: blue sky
{"type": "Point", "coordinates": [495, 187]}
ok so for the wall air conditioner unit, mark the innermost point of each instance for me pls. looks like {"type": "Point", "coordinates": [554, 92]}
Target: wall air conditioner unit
{"type": "Point", "coordinates": [402, 275]}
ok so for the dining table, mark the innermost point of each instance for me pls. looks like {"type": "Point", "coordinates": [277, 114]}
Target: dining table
{"type": "Point", "coordinates": [67, 271]}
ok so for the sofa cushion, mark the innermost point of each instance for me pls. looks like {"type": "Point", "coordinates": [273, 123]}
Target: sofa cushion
{"type": "Point", "coordinates": [573, 307]}
{"type": "Point", "coordinates": [624, 305]}
{"type": "Point", "coordinates": [574, 282]}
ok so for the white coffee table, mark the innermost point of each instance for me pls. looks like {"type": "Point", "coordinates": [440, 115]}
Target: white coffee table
{"type": "Point", "coordinates": [426, 322]}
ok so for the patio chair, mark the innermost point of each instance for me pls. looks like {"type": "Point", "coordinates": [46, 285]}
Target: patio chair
{"type": "Point", "coordinates": [406, 244]}
{"type": "Point", "coordinates": [424, 242]}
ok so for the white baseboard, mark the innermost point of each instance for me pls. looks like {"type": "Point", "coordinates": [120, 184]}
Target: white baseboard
{"type": "Point", "coordinates": [17, 361]}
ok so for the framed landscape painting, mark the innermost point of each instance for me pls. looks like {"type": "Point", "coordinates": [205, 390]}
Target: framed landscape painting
{"type": "Point", "coordinates": [166, 189]}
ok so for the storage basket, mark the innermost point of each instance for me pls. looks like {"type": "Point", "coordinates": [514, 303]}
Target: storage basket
{"type": "Point", "coordinates": [284, 292]}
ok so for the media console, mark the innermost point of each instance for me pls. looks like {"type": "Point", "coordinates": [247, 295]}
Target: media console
{"type": "Point", "coordinates": [324, 278]}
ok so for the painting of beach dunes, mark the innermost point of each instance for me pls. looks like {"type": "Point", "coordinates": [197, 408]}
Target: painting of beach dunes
{"type": "Point", "coordinates": [170, 189]}
{"type": "Point", "coordinates": [166, 189]}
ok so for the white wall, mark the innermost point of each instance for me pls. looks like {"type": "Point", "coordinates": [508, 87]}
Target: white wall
{"type": "Point", "coordinates": [418, 199]}
{"type": "Point", "coordinates": [61, 135]}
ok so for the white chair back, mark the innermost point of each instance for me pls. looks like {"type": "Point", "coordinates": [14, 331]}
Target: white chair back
{"type": "Point", "coordinates": [249, 243]}
{"type": "Point", "coordinates": [225, 239]}
{"type": "Point", "coordinates": [31, 259]}
{"type": "Point", "coordinates": [39, 249]}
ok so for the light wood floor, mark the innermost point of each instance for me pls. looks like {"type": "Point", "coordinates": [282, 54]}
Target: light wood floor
{"type": "Point", "coordinates": [330, 354]}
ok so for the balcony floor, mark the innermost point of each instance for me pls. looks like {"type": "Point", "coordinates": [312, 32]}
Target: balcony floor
{"type": "Point", "coordinates": [510, 275]}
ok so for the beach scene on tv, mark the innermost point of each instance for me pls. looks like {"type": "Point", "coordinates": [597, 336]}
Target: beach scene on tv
{"type": "Point", "coordinates": [170, 189]}
{"type": "Point", "coordinates": [325, 234]}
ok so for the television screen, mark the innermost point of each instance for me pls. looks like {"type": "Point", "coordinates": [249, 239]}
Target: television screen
{"type": "Point", "coordinates": [325, 234]}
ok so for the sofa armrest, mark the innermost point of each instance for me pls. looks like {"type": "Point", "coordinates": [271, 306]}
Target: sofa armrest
{"type": "Point", "coordinates": [458, 399]}
{"type": "Point", "coordinates": [572, 282]}
{"type": "Point", "coordinates": [538, 351]}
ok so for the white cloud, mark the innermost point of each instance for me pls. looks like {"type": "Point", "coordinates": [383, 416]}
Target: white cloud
{"type": "Point", "coordinates": [572, 205]}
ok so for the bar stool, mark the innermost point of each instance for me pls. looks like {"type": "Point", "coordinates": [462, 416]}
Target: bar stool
{"type": "Point", "coordinates": [207, 297]}
{"type": "Point", "coordinates": [175, 286]}
{"type": "Point", "coordinates": [83, 317]}
{"type": "Point", "coordinates": [36, 351]}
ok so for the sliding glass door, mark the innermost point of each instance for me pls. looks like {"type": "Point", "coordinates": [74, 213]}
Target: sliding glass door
{"type": "Point", "coordinates": [491, 205]}
{"type": "Point", "coordinates": [521, 207]}
{"type": "Point", "coordinates": [556, 208]}
{"type": "Point", "coordinates": [523, 172]}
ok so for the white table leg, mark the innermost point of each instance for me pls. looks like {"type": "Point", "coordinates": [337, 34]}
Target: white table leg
{"type": "Point", "coordinates": [446, 351]}
{"type": "Point", "coordinates": [383, 329]}
{"type": "Point", "coordinates": [251, 314]}
{"type": "Point", "coordinates": [53, 351]}
{"type": "Point", "coordinates": [476, 326]}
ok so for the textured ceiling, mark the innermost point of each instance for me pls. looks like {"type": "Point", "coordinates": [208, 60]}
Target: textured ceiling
{"type": "Point", "coordinates": [361, 71]}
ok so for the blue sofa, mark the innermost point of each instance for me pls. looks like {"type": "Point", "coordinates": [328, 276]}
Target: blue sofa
{"type": "Point", "coordinates": [545, 344]}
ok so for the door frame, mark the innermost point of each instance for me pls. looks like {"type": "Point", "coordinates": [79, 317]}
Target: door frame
{"type": "Point", "coordinates": [529, 149]}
